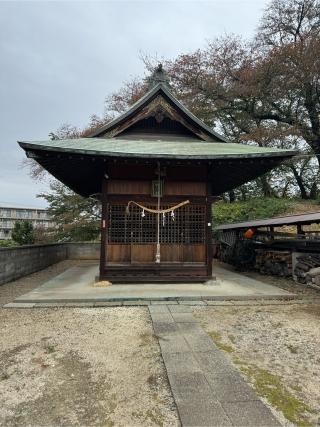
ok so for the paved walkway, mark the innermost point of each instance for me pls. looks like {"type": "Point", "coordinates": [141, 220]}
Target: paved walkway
{"type": "Point", "coordinates": [207, 389]}
{"type": "Point", "coordinates": [76, 285]}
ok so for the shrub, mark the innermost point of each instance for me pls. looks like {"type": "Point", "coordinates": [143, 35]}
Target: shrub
{"type": "Point", "coordinates": [23, 233]}
{"type": "Point", "coordinates": [6, 243]}
{"type": "Point", "coordinates": [226, 213]}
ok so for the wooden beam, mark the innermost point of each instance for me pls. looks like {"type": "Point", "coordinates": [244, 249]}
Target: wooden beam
{"type": "Point", "coordinates": [165, 199]}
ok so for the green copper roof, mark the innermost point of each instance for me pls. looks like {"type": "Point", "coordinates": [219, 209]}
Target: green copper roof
{"type": "Point", "coordinates": [154, 149]}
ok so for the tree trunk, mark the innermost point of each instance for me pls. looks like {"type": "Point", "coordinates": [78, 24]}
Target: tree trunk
{"type": "Point", "coordinates": [298, 178]}
{"type": "Point", "coordinates": [266, 188]}
{"type": "Point", "coordinates": [313, 191]}
{"type": "Point", "coordinates": [232, 196]}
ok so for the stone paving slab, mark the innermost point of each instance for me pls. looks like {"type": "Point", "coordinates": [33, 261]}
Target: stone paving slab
{"type": "Point", "coordinates": [213, 361]}
{"type": "Point", "coordinates": [183, 317]}
{"type": "Point", "coordinates": [173, 343]}
{"type": "Point", "coordinates": [189, 383]}
{"type": "Point", "coordinates": [230, 387]}
{"type": "Point", "coordinates": [159, 302]}
{"type": "Point", "coordinates": [196, 412]}
{"type": "Point", "coordinates": [162, 317]}
{"type": "Point", "coordinates": [180, 308]}
{"type": "Point", "coordinates": [107, 304]}
{"type": "Point", "coordinates": [196, 337]}
{"type": "Point", "coordinates": [181, 362]}
{"type": "Point", "coordinates": [137, 303]}
{"type": "Point", "coordinates": [192, 302]}
{"type": "Point", "coordinates": [155, 309]}
{"type": "Point", "coordinates": [251, 414]}
{"type": "Point", "coordinates": [207, 388]}
{"type": "Point", "coordinates": [75, 304]}
{"type": "Point", "coordinates": [165, 328]}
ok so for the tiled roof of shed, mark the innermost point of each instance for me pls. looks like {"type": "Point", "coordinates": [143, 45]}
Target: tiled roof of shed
{"type": "Point", "coordinates": [308, 218]}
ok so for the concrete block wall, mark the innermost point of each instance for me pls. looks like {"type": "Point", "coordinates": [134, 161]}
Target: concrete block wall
{"type": "Point", "coordinates": [85, 250]}
{"type": "Point", "coordinates": [23, 260]}
{"type": "Point", "coordinates": [20, 261]}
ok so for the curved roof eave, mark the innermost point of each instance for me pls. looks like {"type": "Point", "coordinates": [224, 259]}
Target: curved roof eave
{"type": "Point", "coordinates": [156, 150]}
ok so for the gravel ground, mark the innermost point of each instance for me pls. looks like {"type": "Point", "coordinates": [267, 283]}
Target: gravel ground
{"type": "Point", "coordinates": [277, 350]}
{"type": "Point", "coordinates": [79, 366]}
{"type": "Point", "coordinates": [82, 367]}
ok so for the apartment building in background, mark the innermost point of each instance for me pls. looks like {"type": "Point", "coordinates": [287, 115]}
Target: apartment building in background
{"type": "Point", "coordinates": [10, 214]}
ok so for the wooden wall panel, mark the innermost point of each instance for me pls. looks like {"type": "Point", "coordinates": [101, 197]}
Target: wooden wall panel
{"type": "Point", "coordinates": [194, 253]}
{"type": "Point", "coordinates": [118, 253]}
{"type": "Point", "coordinates": [129, 187]}
{"type": "Point", "coordinates": [171, 253]}
{"type": "Point", "coordinates": [143, 253]}
{"type": "Point", "coordinates": [121, 170]}
{"type": "Point", "coordinates": [176, 188]}
{"type": "Point", "coordinates": [171, 188]}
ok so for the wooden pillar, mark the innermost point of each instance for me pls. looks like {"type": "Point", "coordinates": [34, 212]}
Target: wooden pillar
{"type": "Point", "coordinates": [209, 236]}
{"type": "Point", "coordinates": [209, 222]}
{"type": "Point", "coordinates": [104, 228]}
{"type": "Point", "coordinates": [271, 228]}
{"type": "Point", "coordinates": [300, 229]}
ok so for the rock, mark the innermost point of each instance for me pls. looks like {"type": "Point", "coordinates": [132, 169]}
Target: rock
{"type": "Point", "coordinates": [316, 280]}
{"type": "Point", "coordinates": [314, 272]}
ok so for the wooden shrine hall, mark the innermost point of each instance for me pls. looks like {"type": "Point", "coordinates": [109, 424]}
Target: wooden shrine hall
{"type": "Point", "coordinates": [157, 169]}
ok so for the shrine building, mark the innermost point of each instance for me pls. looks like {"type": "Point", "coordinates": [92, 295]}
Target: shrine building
{"type": "Point", "coordinates": [157, 170]}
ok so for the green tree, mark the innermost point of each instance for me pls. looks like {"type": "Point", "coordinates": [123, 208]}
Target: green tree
{"type": "Point", "coordinates": [76, 218]}
{"type": "Point", "coordinates": [23, 233]}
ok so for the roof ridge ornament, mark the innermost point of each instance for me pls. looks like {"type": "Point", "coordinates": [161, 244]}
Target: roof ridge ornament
{"type": "Point", "coordinates": [158, 76]}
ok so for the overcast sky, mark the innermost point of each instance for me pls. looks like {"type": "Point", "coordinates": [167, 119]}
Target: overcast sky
{"type": "Point", "coordinates": [59, 60]}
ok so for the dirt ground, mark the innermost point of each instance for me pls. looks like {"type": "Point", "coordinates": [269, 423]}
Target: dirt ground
{"type": "Point", "coordinates": [285, 283]}
{"type": "Point", "coordinates": [79, 366]}
{"type": "Point", "coordinates": [102, 366]}
{"type": "Point", "coordinates": [82, 367]}
{"type": "Point", "coordinates": [277, 350]}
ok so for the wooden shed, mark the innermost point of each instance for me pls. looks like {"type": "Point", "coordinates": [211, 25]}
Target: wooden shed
{"type": "Point", "coordinates": [157, 169]}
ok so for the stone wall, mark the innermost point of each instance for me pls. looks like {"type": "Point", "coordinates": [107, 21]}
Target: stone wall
{"type": "Point", "coordinates": [20, 261]}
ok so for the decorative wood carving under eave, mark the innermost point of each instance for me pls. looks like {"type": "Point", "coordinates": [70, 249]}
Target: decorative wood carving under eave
{"type": "Point", "coordinates": [158, 108]}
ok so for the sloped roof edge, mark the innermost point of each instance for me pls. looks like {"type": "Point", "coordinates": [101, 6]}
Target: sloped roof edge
{"type": "Point", "coordinates": [154, 149]}
{"type": "Point", "coordinates": [144, 99]}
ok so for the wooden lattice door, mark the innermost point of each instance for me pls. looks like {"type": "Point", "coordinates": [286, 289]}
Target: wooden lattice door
{"type": "Point", "coordinates": [133, 238]}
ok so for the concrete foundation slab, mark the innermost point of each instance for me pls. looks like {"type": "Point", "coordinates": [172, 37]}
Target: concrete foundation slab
{"type": "Point", "coordinates": [20, 305]}
{"type": "Point", "coordinates": [77, 285]}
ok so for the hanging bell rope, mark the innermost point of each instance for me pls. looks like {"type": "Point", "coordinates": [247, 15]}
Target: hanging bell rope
{"type": "Point", "coordinates": [155, 211]}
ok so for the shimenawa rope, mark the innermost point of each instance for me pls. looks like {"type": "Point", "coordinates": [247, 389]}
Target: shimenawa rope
{"type": "Point", "coordinates": [155, 211]}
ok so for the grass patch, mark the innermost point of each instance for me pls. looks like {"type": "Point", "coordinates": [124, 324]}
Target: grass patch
{"type": "Point", "coordinates": [4, 376]}
{"type": "Point", "coordinates": [50, 349]}
{"type": "Point", "coordinates": [217, 339]}
{"type": "Point", "coordinates": [270, 387]}
{"type": "Point", "coordinates": [150, 416]}
{"type": "Point", "coordinates": [232, 338]}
